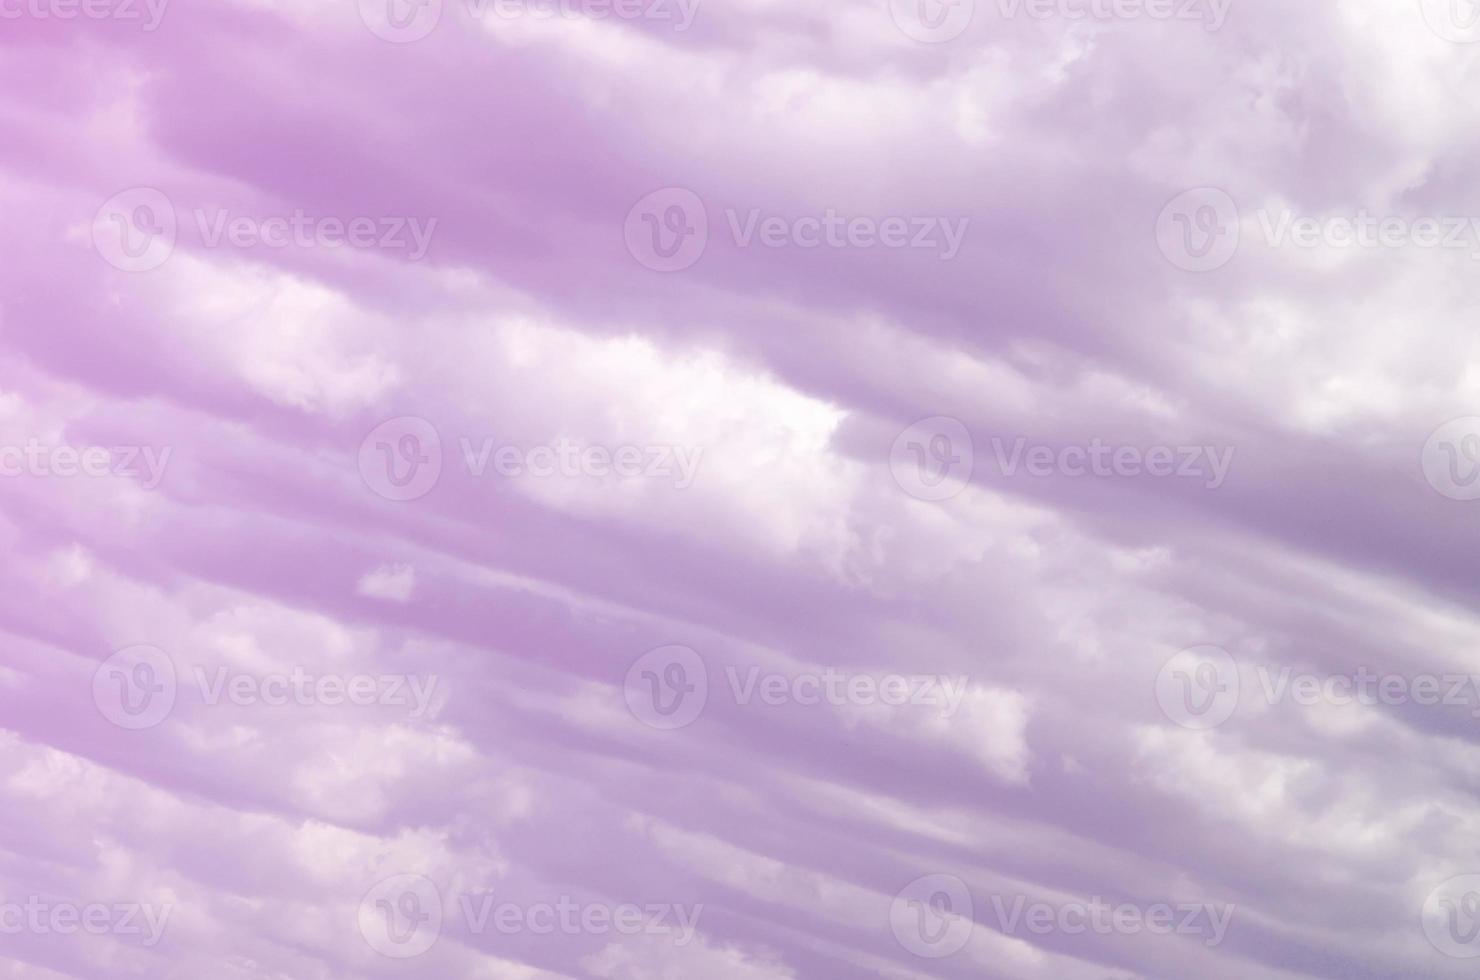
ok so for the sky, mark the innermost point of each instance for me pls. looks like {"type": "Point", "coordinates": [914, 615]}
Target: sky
{"type": "Point", "coordinates": [656, 489]}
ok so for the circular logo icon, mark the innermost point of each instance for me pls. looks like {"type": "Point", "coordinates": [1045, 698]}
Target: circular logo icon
{"type": "Point", "coordinates": [401, 917]}
{"type": "Point", "coordinates": [1198, 230]}
{"type": "Point", "coordinates": [1451, 917]}
{"type": "Point", "coordinates": [932, 21]}
{"type": "Point", "coordinates": [668, 230]}
{"type": "Point", "coordinates": [932, 916]}
{"type": "Point", "coordinates": [401, 459]}
{"type": "Point", "coordinates": [933, 459]}
{"type": "Point", "coordinates": [1453, 20]}
{"type": "Point", "coordinates": [135, 230]}
{"type": "Point", "coordinates": [1451, 459]}
{"type": "Point", "coordinates": [667, 688]}
{"type": "Point", "coordinates": [401, 21]}
{"type": "Point", "coordinates": [136, 687]}
{"type": "Point", "coordinates": [1198, 688]}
